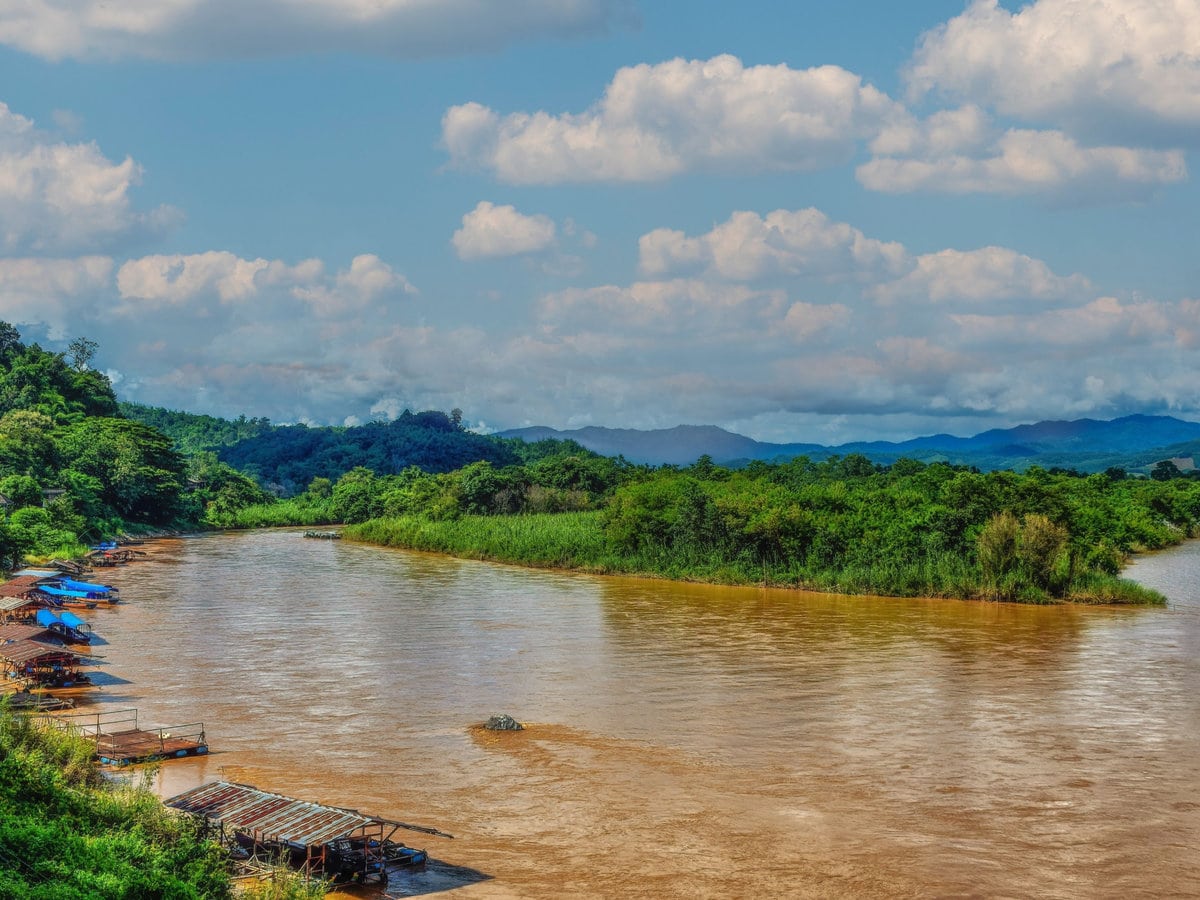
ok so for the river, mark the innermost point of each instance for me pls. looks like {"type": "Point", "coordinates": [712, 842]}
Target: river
{"type": "Point", "coordinates": [682, 740]}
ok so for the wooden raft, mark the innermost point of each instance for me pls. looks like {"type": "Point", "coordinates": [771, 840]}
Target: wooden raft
{"type": "Point", "coordinates": [120, 742]}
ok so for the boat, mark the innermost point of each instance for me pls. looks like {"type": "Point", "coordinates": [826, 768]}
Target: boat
{"type": "Point", "coordinates": [67, 627]}
{"type": "Point", "coordinates": [102, 591]}
{"type": "Point", "coordinates": [324, 535]}
{"type": "Point", "coordinates": [81, 590]}
{"type": "Point", "coordinates": [63, 594]}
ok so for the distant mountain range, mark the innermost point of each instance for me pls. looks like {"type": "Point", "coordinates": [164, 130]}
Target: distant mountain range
{"type": "Point", "coordinates": [1089, 445]}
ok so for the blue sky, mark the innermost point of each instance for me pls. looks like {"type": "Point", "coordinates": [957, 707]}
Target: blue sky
{"type": "Point", "coordinates": [802, 221]}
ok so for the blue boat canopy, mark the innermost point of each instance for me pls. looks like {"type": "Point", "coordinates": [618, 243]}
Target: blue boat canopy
{"type": "Point", "coordinates": [69, 618]}
{"type": "Point", "coordinates": [72, 585]}
{"type": "Point", "coordinates": [46, 618]}
{"type": "Point", "coordinates": [63, 592]}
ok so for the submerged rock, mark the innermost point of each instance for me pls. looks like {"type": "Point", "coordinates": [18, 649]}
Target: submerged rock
{"type": "Point", "coordinates": [503, 723]}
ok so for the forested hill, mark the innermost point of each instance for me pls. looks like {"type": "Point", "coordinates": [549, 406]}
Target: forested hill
{"type": "Point", "coordinates": [286, 458]}
{"type": "Point", "coordinates": [193, 433]}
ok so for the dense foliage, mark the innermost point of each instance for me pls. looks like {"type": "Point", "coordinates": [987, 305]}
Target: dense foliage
{"type": "Point", "coordinates": [194, 433]}
{"type": "Point", "coordinates": [844, 524]}
{"type": "Point", "coordinates": [566, 478]}
{"type": "Point", "coordinates": [70, 468]}
{"type": "Point", "coordinates": [73, 470]}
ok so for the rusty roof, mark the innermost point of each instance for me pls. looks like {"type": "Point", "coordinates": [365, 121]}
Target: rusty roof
{"type": "Point", "coordinates": [270, 816]}
{"type": "Point", "coordinates": [11, 604]}
{"type": "Point", "coordinates": [22, 632]}
{"type": "Point", "coordinates": [24, 651]}
{"type": "Point", "coordinates": [15, 587]}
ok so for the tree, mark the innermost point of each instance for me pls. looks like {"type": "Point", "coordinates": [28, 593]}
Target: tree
{"type": "Point", "coordinates": [996, 547]}
{"type": "Point", "coordinates": [1165, 470]}
{"type": "Point", "coordinates": [1041, 544]}
{"type": "Point", "coordinates": [354, 495]}
{"type": "Point", "coordinates": [140, 473]}
{"type": "Point", "coordinates": [10, 341]}
{"type": "Point", "coordinates": [27, 445]}
{"type": "Point", "coordinates": [21, 490]}
{"type": "Point", "coordinates": [82, 350]}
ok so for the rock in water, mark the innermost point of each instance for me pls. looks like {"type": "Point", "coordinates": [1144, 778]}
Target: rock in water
{"type": "Point", "coordinates": [503, 723]}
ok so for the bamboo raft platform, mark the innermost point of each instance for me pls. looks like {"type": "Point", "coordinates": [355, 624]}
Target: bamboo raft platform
{"type": "Point", "coordinates": [120, 742]}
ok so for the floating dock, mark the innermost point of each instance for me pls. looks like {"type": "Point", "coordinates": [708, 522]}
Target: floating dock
{"type": "Point", "coordinates": [121, 742]}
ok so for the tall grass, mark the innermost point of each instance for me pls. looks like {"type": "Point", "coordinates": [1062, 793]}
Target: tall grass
{"type": "Point", "coordinates": [577, 541]}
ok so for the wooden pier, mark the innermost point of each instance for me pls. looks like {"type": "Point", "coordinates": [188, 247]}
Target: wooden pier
{"type": "Point", "coordinates": [120, 742]}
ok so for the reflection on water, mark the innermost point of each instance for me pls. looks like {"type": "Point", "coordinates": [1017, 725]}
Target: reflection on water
{"type": "Point", "coordinates": [684, 740]}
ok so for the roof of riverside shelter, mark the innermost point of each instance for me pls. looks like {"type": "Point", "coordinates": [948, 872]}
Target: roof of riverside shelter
{"type": "Point", "coordinates": [270, 816]}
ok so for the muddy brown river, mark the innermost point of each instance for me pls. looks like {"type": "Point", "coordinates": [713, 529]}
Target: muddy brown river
{"type": "Point", "coordinates": [682, 740]}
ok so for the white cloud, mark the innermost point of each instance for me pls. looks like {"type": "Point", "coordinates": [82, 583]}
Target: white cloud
{"type": "Point", "coordinates": [986, 275]}
{"type": "Point", "coordinates": [1097, 325]}
{"type": "Point", "coordinates": [57, 197]}
{"type": "Point", "coordinates": [50, 291]}
{"type": "Point", "coordinates": [491, 231]}
{"type": "Point", "coordinates": [674, 309]}
{"type": "Point", "coordinates": [656, 121]}
{"type": "Point", "coordinates": [177, 279]}
{"type": "Point", "coordinates": [806, 320]}
{"type": "Point", "coordinates": [1110, 68]}
{"type": "Point", "coordinates": [803, 243]}
{"type": "Point", "coordinates": [200, 29]}
{"type": "Point", "coordinates": [1024, 162]}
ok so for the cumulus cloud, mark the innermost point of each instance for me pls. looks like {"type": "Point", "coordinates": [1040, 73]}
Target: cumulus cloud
{"type": "Point", "coordinates": [986, 275]}
{"type": "Point", "coordinates": [1100, 323]}
{"type": "Point", "coordinates": [50, 291]}
{"type": "Point", "coordinates": [1020, 161]}
{"type": "Point", "coordinates": [57, 197]}
{"type": "Point", "coordinates": [200, 29]}
{"type": "Point", "coordinates": [490, 231]}
{"type": "Point", "coordinates": [748, 246]}
{"type": "Point", "coordinates": [1104, 68]}
{"type": "Point", "coordinates": [656, 121]}
{"type": "Point", "coordinates": [176, 279]}
{"type": "Point", "coordinates": [673, 308]}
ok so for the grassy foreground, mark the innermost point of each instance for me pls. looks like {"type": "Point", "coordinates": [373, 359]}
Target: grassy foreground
{"type": "Point", "coordinates": [66, 833]}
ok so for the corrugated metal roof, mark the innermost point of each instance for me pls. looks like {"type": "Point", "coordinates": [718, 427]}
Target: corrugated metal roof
{"type": "Point", "coordinates": [22, 632]}
{"type": "Point", "coordinates": [17, 586]}
{"type": "Point", "coordinates": [21, 652]}
{"type": "Point", "coordinates": [270, 816]}
{"type": "Point", "coordinates": [8, 604]}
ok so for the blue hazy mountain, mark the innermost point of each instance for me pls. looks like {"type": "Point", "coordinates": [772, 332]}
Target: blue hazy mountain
{"type": "Point", "coordinates": [1087, 444]}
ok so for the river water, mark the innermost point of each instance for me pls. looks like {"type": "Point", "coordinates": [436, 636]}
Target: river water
{"type": "Point", "coordinates": [682, 740]}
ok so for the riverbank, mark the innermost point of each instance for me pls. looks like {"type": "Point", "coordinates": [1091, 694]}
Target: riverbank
{"type": "Point", "coordinates": [576, 542]}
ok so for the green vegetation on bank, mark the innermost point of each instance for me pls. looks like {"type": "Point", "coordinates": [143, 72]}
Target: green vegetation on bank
{"type": "Point", "coordinates": [843, 525]}
{"type": "Point", "coordinates": [67, 833]}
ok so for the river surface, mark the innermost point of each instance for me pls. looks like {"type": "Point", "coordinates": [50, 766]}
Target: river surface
{"type": "Point", "coordinates": [682, 740]}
